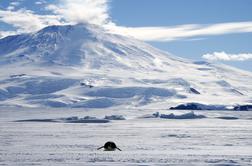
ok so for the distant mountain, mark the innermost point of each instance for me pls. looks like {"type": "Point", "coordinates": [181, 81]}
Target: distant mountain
{"type": "Point", "coordinates": [84, 66]}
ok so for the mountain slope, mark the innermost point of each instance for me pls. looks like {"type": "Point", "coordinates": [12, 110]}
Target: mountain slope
{"type": "Point", "coordinates": [83, 66]}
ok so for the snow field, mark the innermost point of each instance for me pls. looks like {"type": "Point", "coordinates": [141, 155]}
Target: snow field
{"type": "Point", "coordinates": [155, 141]}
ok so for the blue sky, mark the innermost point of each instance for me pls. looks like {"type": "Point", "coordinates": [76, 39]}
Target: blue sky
{"type": "Point", "coordinates": [202, 20]}
{"type": "Point", "coordinates": [178, 12]}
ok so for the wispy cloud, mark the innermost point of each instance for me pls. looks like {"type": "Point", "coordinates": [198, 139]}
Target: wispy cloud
{"type": "Point", "coordinates": [97, 12]}
{"type": "Point", "coordinates": [27, 21]}
{"type": "Point", "coordinates": [6, 33]}
{"type": "Point", "coordinates": [10, 7]}
{"type": "Point", "coordinates": [13, 5]}
{"type": "Point", "coordinates": [40, 2]}
{"type": "Point", "coordinates": [63, 12]}
{"type": "Point", "coordinates": [182, 31]}
{"type": "Point", "coordinates": [223, 56]}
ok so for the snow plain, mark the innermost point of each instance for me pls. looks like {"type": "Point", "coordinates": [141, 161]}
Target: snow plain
{"type": "Point", "coordinates": [69, 71]}
{"type": "Point", "coordinates": [144, 141]}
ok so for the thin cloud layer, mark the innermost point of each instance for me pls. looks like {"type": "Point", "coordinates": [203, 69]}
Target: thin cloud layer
{"type": "Point", "coordinates": [6, 33]}
{"type": "Point", "coordinates": [182, 31]}
{"type": "Point", "coordinates": [223, 56]}
{"type": "Point", "coordinates": [27, 21]}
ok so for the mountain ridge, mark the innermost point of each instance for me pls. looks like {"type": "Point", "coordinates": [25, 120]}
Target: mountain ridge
{"type": "Point", "coordinates": [84, 66]}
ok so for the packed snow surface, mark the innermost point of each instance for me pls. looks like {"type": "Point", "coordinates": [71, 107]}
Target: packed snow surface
{"type": "Point", "coordinates": [152, 141]}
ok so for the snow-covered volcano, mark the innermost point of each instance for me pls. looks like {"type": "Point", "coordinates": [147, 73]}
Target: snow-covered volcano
{"type": "Point", "coordinates": [84, 66]}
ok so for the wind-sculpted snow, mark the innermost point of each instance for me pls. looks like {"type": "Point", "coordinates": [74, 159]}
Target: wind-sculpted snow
{"type": "Point", "coordinates": [43, 96]}
{"type": "Point", "coordinates": [95, 103]}
{"type": "Point", "coordinates": [4, 94]}
{"type": "Point", "coordinates": [84, 66]}
{"type": "Point", "coordinates": [129, 92]}
{"type": "Point", "coordinates": [38, 85]}
{"type": "Point", "coordinates": [48, 103]}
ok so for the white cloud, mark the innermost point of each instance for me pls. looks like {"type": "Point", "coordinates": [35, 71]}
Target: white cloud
{"type": "Point", "coordinates": [223, 56]}
{"type": "Point", "coordinates": [15, 3]}
{"type": "Point", "coordinates": [6, 33]}
{"type": "Point", "coordinates": [10, 7]}
{"type": "Point", "coordinates": [27, 21]}
{"type": "Point", "coordinates": [38, 3]}
{"type": "Point", "coordinates": [181, 31]}
{"type": "Point", "coordinates": [97, 12]}
{"type": "Point", "coordinates": [82, 11]}
{"type": "Point", "coordinates": [41, 2]}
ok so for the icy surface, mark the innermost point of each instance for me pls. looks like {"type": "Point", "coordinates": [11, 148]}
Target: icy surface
{"type": "Point", "coordinates": [208, 141]}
